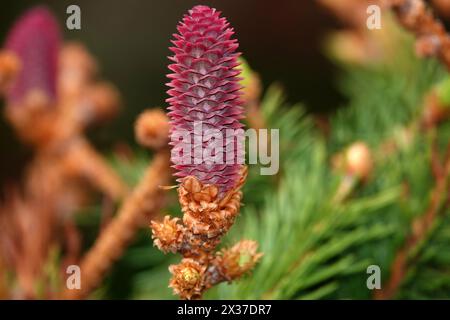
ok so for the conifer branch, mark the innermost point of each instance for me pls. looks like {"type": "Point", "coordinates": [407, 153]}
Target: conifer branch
{"type": "Point", "coordinates": [81, 160]}
{"type": "Point", "coordinates": [138, 208]}
{"type": "Point", "coordinates": [143, 203]}
{"type": "Point", "coordinates": [420, 228]}
{"type": "Point", "coordinates": [431, 36]}
{"type": "Point", "coordinates": [205, 89]}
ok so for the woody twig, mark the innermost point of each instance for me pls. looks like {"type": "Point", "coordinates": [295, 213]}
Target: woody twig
{"type": "Point", "coordinates": [420, 228]}
{"type": "Point", "coordinates": [206, 218]}
{"type": "Point", "coordinates": [139, 207]}
{"type": "Point", "coordinates": [27, 235]}
{"type": "Point", "coordinates": [51, 97]}
{"type": "Point", "coordinates": [432, 40]}
{"type": "Point", "coordinates": [357, 162]}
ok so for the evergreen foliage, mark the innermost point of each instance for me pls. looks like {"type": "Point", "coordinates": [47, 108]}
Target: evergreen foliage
{"type": "Point", "coordinates": [314, 246]}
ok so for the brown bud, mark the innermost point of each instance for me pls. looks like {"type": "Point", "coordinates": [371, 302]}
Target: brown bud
{"type": "Point", "coordinates": [167, 235]}
{"type": "Point", "coordinates": [190, 275]}
{"type": "Point", "coordinates": [238, 260]}
{"type": "Point", "coordinates": [187, 279]}
{"type": "Point", "coordinates": [427, 46]}
{"type": "Point", "coordinates": [434, 112]}
{"type": "Point", "coordinates": [359, 160]}
{"type": "Point", "coordinates": [152, 129]}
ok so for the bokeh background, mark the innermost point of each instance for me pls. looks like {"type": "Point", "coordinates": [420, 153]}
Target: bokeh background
{"type": "Point", "coordinates": [354, 187]}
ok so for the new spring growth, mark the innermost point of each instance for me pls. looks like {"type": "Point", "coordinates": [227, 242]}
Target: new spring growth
{"type": "Point", "coordinates": [205, 89]}
{"type": "Point", "coordinates": [206, 106]}
{"type": "Point", "coordinates": [35, 41]}
{"type": "Point", "coordinates": [356, 163]}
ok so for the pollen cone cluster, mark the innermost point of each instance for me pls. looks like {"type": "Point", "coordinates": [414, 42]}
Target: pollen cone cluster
{"type": "Point", "coordinates": [206, 218]}
{"type": "Point", "coordinates": [204, 90]}
{"type": "Point", "coordinates": [192, 277]}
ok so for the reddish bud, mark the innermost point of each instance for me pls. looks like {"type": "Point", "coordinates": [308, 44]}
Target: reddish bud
{"type": "Point", "coordinates": [205, 88]}
{"type": "Point", "coordinates": [35, 40]}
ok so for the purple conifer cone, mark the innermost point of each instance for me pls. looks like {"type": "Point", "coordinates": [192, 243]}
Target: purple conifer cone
{"type": "Point", "coordinates": [35, 39]}
{"type": "Point", "coordinates": [205, 87]}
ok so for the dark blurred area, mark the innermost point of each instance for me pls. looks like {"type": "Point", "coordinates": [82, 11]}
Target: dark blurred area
{"type": "Point", "coordinates": [280, 39]}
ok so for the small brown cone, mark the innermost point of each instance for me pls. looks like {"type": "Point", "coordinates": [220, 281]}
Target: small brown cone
{"type": "Point", "coordinates": [187, 279]}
